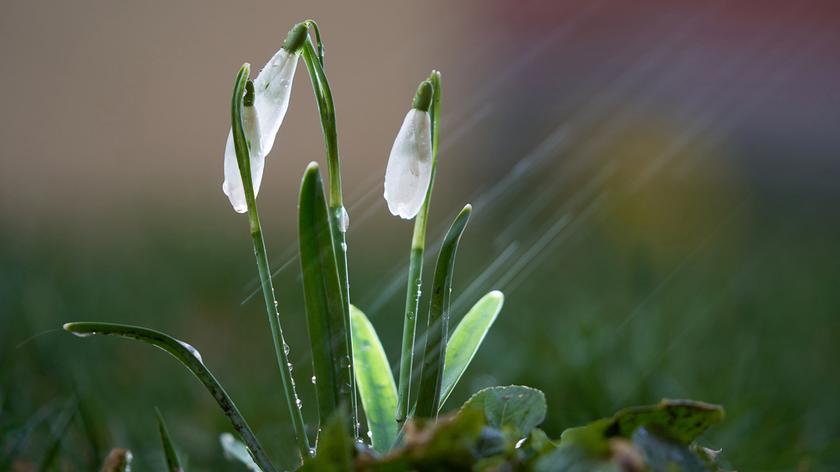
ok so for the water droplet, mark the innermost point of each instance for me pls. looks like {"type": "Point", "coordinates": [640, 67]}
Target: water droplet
{"type": "Point", "coordinates": [192, 350]}
{"type": "Point", "coordinates": [290, 366]}
{"type": "Point", "coordinates": [286, 349]}
{"type": "Point", "coordinates": [311, 451]}
{"type": "Point", "coordinates": [314, 379]}
{"type": "Point", "coordinates": [346, 362]}
{"type": "Point", "coordinates": [370, 434]}
{"type": "Point", "coordinates": [298, 403]}
{"type": "Point", "coordinates": [344, 247]}
{"type": "Point", "coordinates": [343, 220]}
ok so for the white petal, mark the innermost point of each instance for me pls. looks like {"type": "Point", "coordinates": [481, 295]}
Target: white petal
{"type": "Point", "coordinates": [410, 165]}
{"type": "Point", "coordinates": [273, 86]}
{"type": "Point", "coordinates": [232, 186]}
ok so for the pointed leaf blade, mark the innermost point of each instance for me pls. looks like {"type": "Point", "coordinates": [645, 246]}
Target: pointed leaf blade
{"type": "Point", "coordinates": [325, 311]}
{"type": "Point", "coordinates": [437, 326]}
{"type": "Point", "coordinates": [466, 339]}
{"type": "Point", "coordinates": [173, 464]}
{"type": "Point", "coordinates": [377, 388]}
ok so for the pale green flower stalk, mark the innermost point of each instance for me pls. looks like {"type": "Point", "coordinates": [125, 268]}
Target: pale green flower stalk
{"type": "Point", "coordinates": [242, 105]}
{"type": "Point", "coordinates": [427, 99]}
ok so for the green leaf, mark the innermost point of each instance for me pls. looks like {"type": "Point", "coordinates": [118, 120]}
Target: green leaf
{"type": "Point", "coordinates": [466, 339]}
{"type": "Point", "coordinates": [376, 383]}
{"type": "Point", "coordinates": [335, 447]}
{"type": "Point", "coordinates": [513, 408]}
{"type": "Point", "coordinates": [437, 327]}
{"type": "Point", "coordinates": [234, 449]}
{"type": "Point", "coordinates": [663, 455]}
{"type": "Point", "coordinates": [172, 462]}
{"type": "Point", "coordinates": [189, 358]}
{"type": "Point", "coordinates": [323, 298]}
{"type": "Point", "coordinates": [679, 420]}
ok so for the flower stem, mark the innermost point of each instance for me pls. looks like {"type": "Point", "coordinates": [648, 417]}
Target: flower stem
{"type": "Point", "coordinates": [337, 213]}
{"type": "Point", "coordinates": [280, 346]}
{"type": "Point", "coordinates": [415, 266]}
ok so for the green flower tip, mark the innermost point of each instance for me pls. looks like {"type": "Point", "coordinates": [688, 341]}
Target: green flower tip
{"type": "Point", "coordinates": [423, 97]}
{"type": "Point", "coordinates": [296, 37]}
{"type": "Point", "coordinates": [249, 94]}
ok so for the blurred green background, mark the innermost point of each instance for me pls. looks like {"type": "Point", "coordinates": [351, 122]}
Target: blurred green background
{"type": "Point", "coordinates": [655, 191]}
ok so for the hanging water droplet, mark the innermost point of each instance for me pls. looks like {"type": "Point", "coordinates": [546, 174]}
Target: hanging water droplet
{"type": "Point", "coordinates": [343, 220]}
{"type": "Point", "coordinates": [298, 403]}
{"type": "Point", "coordinates": [286, 348]}
{"type": "Point", "coordinates": [370, 434]}
{"type": "Point", "coordinates": [314, 379]}
{"type": "Point", "coordinates": [344, 247]}
{"type": "Point", "coordinates": [289, 365]}
{"type": "Point", "coordinates": [311, 451]}
{"type": "Point", "coordinates": [192, 350]}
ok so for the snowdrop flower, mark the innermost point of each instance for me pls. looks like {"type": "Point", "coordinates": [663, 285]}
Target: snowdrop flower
{"type": "Point", "coordinates": [262, 120]}
{"type": "Point", "coordinates": [410, 164]}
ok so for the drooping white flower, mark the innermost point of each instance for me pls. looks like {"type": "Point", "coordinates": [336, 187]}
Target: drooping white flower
{"type": "Point", "coordinates": [272, 88]}
{"type": "Point", "coordinates": [409, 168]}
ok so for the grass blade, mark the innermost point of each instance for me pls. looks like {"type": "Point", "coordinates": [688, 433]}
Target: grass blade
{"type": "Point", "coordinates": [431, 375]}
{"type": "Point", "coordinates": [323, 298]}
{"type": "Point", "coordinates": [189, 358]}
{"type": "Point", "coordinates": [172, 462]}
{"type": "Point", "coordinates": [376, 382]}
{"type": "Point", "coordinates": [466, 339]}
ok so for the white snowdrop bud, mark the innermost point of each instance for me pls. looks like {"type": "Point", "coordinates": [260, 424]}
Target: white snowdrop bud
{"type": "Point", "coordinates": [272, 89]}
{"type": "Point", "coordinates": [410, 163]}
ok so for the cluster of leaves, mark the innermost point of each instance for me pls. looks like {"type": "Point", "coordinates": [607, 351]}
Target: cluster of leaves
{"type": "Point", "coordinates": [496, 430]}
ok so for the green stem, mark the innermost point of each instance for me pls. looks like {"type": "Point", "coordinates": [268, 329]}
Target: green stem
{"type": "Point", "coordinates": [415, 265]}
{"type": "Point", "coordinates": [280, 346]}
{"type": "Point", "coordinates": [337, 212]}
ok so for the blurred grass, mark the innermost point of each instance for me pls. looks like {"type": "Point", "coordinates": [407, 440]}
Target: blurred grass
{"type": "Point", "coordinates": [623, 286]}
{"type": "Point", "coordinates": [744, 318]}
